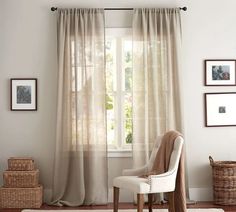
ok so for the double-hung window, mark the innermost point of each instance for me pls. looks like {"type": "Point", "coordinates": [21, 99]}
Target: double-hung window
{"type": "Point", "coordinates": [119, 89]}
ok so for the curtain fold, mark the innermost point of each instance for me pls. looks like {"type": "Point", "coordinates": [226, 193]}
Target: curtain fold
{"type": "Point", "coordinates": [156, 89]}
{"type": "Point", "coordinates": [80, 171]}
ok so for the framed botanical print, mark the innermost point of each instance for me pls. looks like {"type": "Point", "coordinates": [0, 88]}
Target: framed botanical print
{"type": "Point", "coordinates": [23, 94]}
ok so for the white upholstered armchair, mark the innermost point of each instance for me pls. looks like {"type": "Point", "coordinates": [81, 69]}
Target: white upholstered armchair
{"type": "Point", "coordinates": [161, 183]}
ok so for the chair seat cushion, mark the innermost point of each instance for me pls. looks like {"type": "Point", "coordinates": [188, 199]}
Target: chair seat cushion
{"type": "Point", "coordinates": [132, 183]}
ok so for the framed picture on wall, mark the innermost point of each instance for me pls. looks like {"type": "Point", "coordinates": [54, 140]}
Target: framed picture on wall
{"type": "Point", "coordinates": [220, 109]}
{"type": "Point", "coordinates": [220, 73]}
{"type": "Point", "coordinates": [23, 94]}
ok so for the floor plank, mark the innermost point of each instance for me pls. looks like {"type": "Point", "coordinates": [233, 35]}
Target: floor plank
{"type": "Point", "coordinates": [130, 206]}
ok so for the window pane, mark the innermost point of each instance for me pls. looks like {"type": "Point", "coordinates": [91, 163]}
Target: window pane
{"type": "Point", "coordinates": [128, 78]}
{"type": "Point", "coordinates": [110, 119]}
{"type": "Point", "coordinates": [128, 118]}
{"type": "Point", "coordinates": [110, 106]}
{"type": "Point", "coordinates": [111, 64]}
{"type": "Point", "coordinates": [128, 105]}
{"type": "Point", "coordinates": [127, 46]}
{"type": "Point", "coordinates": [127, 64]}
{"type": "Point", "coordinates": [128, 131]}
{"type": "Point", "coordinates": [111, 132]}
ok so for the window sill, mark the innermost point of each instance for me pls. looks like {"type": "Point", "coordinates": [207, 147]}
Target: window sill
{"type": "Point", "coordinates": [119, 153]}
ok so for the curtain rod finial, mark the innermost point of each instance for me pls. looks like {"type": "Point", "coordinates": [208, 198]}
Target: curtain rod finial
{"type": "Point", "coordinates": [53, 9]}
{"type": "Point", "coordinates": [183, 8]}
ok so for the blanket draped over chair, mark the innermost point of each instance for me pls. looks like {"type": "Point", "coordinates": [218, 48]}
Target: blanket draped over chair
{"type": "Point", "coordinates": [161, 165]}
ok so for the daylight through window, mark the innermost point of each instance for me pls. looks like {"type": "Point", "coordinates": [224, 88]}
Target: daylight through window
{"type": "Point", "coordinates": [119, 88]}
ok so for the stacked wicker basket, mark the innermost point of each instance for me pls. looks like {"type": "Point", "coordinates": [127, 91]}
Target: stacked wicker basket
{"type": "Point", "coordinates": [21, 187]}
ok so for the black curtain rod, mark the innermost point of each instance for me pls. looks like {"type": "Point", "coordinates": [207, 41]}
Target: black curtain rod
{"type": "Point", "coordinates": [123, 8]}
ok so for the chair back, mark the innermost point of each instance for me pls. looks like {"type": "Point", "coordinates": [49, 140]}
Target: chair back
{"type": "Point", "coordinates": [175, 155]}
{"type": "Point", "coordinates": [166, 182]}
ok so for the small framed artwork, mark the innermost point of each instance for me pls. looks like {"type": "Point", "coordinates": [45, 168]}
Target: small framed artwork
{"type": "Point", "coordinates": [220, 109]}
{"type": "Point", "coordinates": [23, 94]}
{"type": "Point", "coordinates": [220, 73]}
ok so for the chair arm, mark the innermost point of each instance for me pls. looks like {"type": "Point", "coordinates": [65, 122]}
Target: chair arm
{"type": "Point", "coordinates": [163, 182]}
{"type": "Point", "coordinates": [135, 172]}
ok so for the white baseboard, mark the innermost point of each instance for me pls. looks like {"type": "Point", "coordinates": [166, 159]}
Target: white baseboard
{"type": "Point", "coordinates": [201, 194]}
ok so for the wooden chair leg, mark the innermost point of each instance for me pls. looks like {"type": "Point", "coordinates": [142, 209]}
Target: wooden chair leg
{"type": "Point", "coordinates": [116, 192]}
{"type": "Point", "coordinates": [140, 202]}
{"type": "Point", "coordinates": [171, 201]}
{"type": "Point", "coordinates": [150, 201]}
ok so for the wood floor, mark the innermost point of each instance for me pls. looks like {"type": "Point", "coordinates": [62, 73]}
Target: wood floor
{"type": "Point", "coordinates": [130, 206]}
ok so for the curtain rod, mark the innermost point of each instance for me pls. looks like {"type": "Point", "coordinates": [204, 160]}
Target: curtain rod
{"type": "Point", "coordinates": [121, 8]}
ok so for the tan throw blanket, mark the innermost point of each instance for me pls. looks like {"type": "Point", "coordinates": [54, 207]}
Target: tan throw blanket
{"type": "Point", "coordinates": [161, 165]}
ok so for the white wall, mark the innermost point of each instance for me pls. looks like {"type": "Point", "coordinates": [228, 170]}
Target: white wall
{"type": "Point", "coordinates": [28, 49]}
{"type": "Point", "coordinates": [209, 32]}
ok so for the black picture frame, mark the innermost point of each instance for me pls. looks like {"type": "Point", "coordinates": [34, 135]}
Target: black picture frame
{"type": "Point", "coordinates": [23, 94]}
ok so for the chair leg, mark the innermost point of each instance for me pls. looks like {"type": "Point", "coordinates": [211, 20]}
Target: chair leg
{"type": "Point", "coordinates": [116, 192]}
{"type": "Point", "coordinates": [150, 201]}
{"type": "Point", "coordinates": [140, 199]}
{"type": "Point", "coordinates": [171, 201]}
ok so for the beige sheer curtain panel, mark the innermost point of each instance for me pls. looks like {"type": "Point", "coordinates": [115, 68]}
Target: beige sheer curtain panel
{"type": "Point", "coordinates": [156, 89]}
{"type": "Point", "coordinates": [80, 172]}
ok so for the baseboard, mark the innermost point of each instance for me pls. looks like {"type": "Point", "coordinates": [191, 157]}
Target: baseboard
{"type": "Point", "coordinates": [201, 194]}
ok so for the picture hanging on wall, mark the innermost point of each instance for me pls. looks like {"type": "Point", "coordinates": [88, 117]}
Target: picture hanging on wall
{"type": "Point", "coordinates": [220, 73]}
{"type": "Point", "coordinates": [23, 94]}
{"type": "Point", "coordinates": [220, 109]}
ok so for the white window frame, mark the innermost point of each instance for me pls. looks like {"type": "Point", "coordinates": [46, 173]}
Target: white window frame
{"type": "Point", "coordinates": [120, 149]}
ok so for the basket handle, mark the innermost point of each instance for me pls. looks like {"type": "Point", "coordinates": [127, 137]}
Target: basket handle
{"type": "Point", "coordinates": [211, 160]}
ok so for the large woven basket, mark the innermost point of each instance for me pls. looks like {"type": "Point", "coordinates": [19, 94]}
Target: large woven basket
{"type": "Point", "coordinates": [20, 164]}
{"type": "Point", "coordinates": [21, 197]}
{"type": "Point", "coordinates": [224, 181]}
{"type": "Point", "coordinates": [21, 179]}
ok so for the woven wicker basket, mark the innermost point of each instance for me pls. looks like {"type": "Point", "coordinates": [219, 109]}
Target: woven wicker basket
{"type": "Point", "coordinates": [20, 164]}
{"type": "Point", "coordinates": [21, 197]}
{"type": "Point", "coordinates": [224, 181]}
{"type": "Point", "coordinates": [21, 179]}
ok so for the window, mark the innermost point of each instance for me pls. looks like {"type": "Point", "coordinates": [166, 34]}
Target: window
{"type": "Point", "coordinates": [119, 88]}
